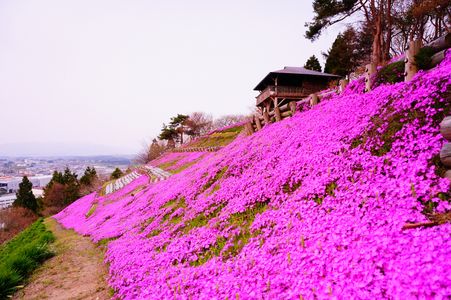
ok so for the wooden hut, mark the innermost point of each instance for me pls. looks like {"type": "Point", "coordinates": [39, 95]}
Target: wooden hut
{"type": "Point", "coordinates": [289, 84]}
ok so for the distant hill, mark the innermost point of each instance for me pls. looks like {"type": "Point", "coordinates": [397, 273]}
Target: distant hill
{"type": "Point", "coordinates": [59, 149]}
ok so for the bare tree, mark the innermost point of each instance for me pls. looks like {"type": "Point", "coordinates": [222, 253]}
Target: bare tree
{"type": "Point", "coordinates": [419, 19]}
{"type": "Point", "coordinates": [150, 152]}
{"type": "Point", "coordinates": [228, 120]}
{"type": "Point", "coordinates": [390, 20]}
{"type": "Point", "coordinates": [199, 123]}
{"type": "Point", "coordinates": [14, 219]}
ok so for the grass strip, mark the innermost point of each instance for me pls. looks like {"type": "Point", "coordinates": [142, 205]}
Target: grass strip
{"type": "Point", "coordinates": [22, 255]}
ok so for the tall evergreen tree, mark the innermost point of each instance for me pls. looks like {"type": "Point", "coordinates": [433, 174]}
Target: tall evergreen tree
{"type": "Point", "coordinates": [25, 196]}
{"type": "Point", "coordinates": [349, 50]}
{"type": "Point", "coordinates": [178, 123]}
{"type": "Point", "coordinates": [313, 64]}
{"type": "Point", "coordinates": [89, 176]}
{"type": "Point", "coordinates": [339, 59]}
{"type": "Point", "coordinates": [174, 132]}
{"type": "Point", "coordinates": [71, 186]}
{"type": "Point", "coordinates": [167, 133]}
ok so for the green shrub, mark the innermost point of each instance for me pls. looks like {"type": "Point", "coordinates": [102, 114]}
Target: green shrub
{"type": "Point", "coordinates": [423, 59]}
{"type": "Point", "coordinates": [9, 280]}
{"type": "Point", "coordinates": [23, 254]}
{"type": "Point", "coordinates": [391, 73]}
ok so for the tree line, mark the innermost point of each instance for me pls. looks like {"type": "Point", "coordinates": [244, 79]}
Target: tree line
{"type": "Point", "coordinates": [182, 128]}
{"type": "Point", "coordinates": [383, 29]}
{"type": "Point", "coordinates": [64, 188]}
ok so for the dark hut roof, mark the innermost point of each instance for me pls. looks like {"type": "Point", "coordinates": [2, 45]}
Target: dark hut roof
{"type": "Point", "coordinates": [291, 71]}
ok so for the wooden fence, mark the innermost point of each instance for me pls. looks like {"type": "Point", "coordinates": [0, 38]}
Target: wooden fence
{"type": "Point", "coordinates": [289, 109]}
{"type": "Point", "coordinates": [439, 47]}
{"type": "Point", "coordinates": [445, 153]}
{"type": "Point", "coordinates": [196, 149]}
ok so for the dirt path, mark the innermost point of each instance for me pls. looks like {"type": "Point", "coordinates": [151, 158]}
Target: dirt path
{"type": "Point", "coordinates": [76, 271]}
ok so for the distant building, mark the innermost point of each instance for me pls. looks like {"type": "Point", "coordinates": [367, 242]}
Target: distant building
{"type": "Point", "coordinates": [9, 185]}
{"type": "Point", "coordinates": [8, 199]}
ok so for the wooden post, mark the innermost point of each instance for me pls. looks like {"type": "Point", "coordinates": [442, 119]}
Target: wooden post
{"type": "Point", "coordinates": [437, 58]}
{"type": "Point", "coordinates": [410, 68]}
{"type": "Point", "coordinates": [445, 155]}
{"type": "Point", "coordinates": [266, 117]}
{"type": "Point", "coordinates": [369, 71]}
{"type": "Point", "coordinates": [445, 128]}
{"type": "Point", "coordinates": [292, 106]}
{"type": "Point", "coordinates": [284, 108]}
{"type": "Point", "coordinates": [277, 114]}
{"type": "Point", "coordinates": [285, 114]}
{"type": "Point", "coordinates": [249, 128]}
{"type": "Point", "coordinates": [448, 174]}
{"type": "Point", "coordinates": [314, 99]}
{"type": "Point", "coordinates": [343, 84]}
{"type": "Point", "coordinates": [257, 122]}
{"type": "Point", "coordinates": [442, 43]}
{"type": "Point", "coordinates": [267, 105]}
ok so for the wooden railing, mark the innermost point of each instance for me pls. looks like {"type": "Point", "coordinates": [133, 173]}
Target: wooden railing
{"type": "Point", "coordinates": [445, 152]}
{"type": "Point", "coordinates": [290, 91]}
{"type": "Point", "coordinates": [197, 149]}
{"type": "Point", "coordinates": [266, 93]}
{"type": "Point", "coordinates": [281, 91]}
{"type": "Point", "coordinates": [439, 48]}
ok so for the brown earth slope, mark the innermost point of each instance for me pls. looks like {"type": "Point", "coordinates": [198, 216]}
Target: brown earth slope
{"type": "Point", "coordinates": [76, 271]}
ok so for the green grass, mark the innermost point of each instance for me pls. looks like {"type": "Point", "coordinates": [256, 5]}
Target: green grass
{"type": "Point", "coordinates": [200, 220]}
{"type": "Point", "coordinates": [91, 210]}
{"type": "Point", "coordinates": [217, 139]}
{"type": "Point", "coordinates": [391, 73]}
{"type": "Point", "coordinates": [213, 180]}
{"type": "Point", "coordinates": [174, 204]}
{"type": "Point", "coordinates": [154, 232]}
{"type": "Point", "coordinates": [185, 166]}
{"type": "Point", "coordinates": [168, 164]}
{"type": "Point", "coordinates": [22, 255]}
{"type": "Point", "coordinates": [104, 242]}
{"type": "Point", "coordinates": [242, 221]}
{"type": "Point", "coordinates": [289, 188]}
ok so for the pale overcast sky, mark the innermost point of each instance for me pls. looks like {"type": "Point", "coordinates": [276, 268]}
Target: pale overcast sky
{"type": "Point", "coordinates": [109, 73]}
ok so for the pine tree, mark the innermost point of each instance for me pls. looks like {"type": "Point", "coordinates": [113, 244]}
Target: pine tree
{"type": "Point", "coordinates": [168, 133]}
{"type": "Point", "coordinates": [25, 196]}
{"type": "Point", "coordinates": [71, 186]}
{"type": "Point", "coordinates": [117, 173]}
{"type": "Point", "coordinates": [174, 132]}
{"type": "Point", "coordinates": [313, 64]}
{"type": "Point", "coordinates": [349, 50]}
{"type": "Point", "coordinates": [89, 176]}
{"type": "Point", "coordinates": [339, 59]}
{"type": "Point", "coordinates": [178, 124]}
{"type": "Point", "coordinates": [71, 191]}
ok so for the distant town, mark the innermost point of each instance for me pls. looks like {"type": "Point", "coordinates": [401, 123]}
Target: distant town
{"type": "Point", "coordinates": [39, 171]}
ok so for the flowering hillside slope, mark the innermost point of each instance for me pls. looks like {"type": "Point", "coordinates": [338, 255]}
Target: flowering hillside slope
{"type": "Point", "coordinates": [312, 206]}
